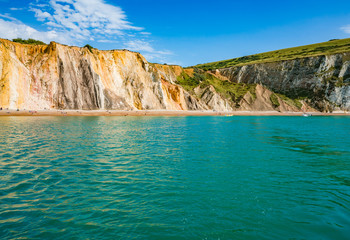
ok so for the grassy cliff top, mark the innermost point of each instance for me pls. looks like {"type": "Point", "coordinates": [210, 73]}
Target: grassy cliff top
{"type": "Point", "coordinates": [325, 48]}
{"type": "Point", "coordinates": [28, 41]}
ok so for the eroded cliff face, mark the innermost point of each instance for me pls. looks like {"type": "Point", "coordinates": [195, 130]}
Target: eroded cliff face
{"type": "Point", "coordinates": [322, 81]}
{"type": "Point", "coordinates": [55, 76]}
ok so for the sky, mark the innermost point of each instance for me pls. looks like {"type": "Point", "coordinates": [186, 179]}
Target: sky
{"type": "Point", "coordinates": [183, 32]}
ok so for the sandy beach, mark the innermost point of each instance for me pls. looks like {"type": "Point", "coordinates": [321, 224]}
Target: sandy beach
{"type": "Point", "coordinates": [12, 112]}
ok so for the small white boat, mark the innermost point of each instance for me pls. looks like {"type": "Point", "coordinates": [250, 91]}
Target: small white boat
{"type": "Point", "coordinates": [307, 114]}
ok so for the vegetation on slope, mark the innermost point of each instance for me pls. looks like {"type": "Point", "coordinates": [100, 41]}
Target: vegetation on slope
{"type": "Point", "coordinates": [28, 41]}
{"type": "Point", "coordinates": [290, 101]}
{"type": "Point", "coordinates": [274, 100]}
{"type": "Point", "coordinates": [325, 48]}
{"type": "Point", "coordinates": [229, 90]}
{"type": "Point", "coordinates": [88, 47]}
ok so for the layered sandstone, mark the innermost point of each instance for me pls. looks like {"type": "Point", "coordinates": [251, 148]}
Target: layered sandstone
{"type": "Point", "coordinates": [56, 76]}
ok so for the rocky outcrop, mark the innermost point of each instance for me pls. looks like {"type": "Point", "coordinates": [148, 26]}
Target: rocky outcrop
{"type": "Point", "coordinates": [213, 100]}
{"type": "Point", "coordinates": [322, 81]}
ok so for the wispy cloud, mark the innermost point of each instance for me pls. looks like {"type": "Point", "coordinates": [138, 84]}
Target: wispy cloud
{"type": "Point", "coordinates": [75, 22]}
{"type": "Point", "coordinates": [16, 9]}
{"type": "Point", "coordinates": [7, 16]}
{"type": "Point", "coordinates": [139, 45]}
{"type": "Point", "coordinates": [84, 18]}
{"type": "Point", "coordinates": [148, 51]}
{"type": "Point", "coordinates": [346, 29]}
{"type": "Point", "coordinates": [13, 29]}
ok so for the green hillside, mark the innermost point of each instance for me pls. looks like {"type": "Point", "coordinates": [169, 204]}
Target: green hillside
{"type": "Point", "coordinates": [325, 48]}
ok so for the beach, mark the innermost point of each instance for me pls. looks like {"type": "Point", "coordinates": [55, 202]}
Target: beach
{"type": "Point", "coordinates": [12, 112]}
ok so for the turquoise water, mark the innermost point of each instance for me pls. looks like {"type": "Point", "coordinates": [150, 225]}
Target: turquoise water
{"type": "Point", "coordinates": [175, 178]}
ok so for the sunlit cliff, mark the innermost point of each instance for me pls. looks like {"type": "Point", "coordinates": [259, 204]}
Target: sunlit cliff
{"type": "Point", "coordinates": [56, 76]}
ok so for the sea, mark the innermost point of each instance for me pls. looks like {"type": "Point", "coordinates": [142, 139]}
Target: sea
{"type": "Point", "coordinates": [214, 177]}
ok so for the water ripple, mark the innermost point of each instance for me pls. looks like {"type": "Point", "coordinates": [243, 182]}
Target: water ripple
{"type": "Point", "coordinates": [174, 178]}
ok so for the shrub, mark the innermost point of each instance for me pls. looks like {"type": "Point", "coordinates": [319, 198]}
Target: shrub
{"type": "Point", "coordinates": [88, 47]}
{"type": "Point", "coordinates": [28, 41]}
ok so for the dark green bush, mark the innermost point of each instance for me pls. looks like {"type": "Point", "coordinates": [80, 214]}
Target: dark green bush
{"type": "Point", "coordinates": [88, 47]}
{"type": "Point", "coordinates": [28, 41]}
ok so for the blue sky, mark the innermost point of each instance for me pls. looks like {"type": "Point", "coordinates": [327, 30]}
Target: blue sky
{"type": "Point", "coordinates": [177, 32]}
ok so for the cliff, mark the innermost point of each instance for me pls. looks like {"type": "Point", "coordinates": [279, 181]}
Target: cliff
{"type": "Point", "coordinates": [316, 74]}
{"type": "Point", "coordinates": [322, 81]}
{"type": "Point", "coordinates": [56, 76]}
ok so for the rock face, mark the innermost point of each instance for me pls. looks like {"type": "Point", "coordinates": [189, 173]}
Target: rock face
{"type": "Point", "coordinates": [323, 81]}
{"type": "Point", "coordinates": [56, 76]}
{"type": "Point", "coordinates": [213, 100]}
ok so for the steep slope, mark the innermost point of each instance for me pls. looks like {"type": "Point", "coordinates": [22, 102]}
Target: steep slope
{"type": "Point", "coordinates": [322, 81]}
{"type": "Point", "coordinates": [218, 91]}
{"type": "Point", "coordinates": [317, 74]}
{"type": "Point", "coordinates": [57, 76]}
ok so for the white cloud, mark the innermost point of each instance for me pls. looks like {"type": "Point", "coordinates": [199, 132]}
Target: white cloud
{"type": "Point", "coordinates": [139, 45]}
{"type": "Point", "coordinates": [16, 9]}
{"type": "Point", "coordinates": [147, 50]}
{"type": "Point", "coordinates": [6, 16]}
{"type": "Point", "coordinates": [142, 46]}
{"type": "Point", "coordinates": [14, 29]}
{"type": "Point", "coordinates": [75, 22]}
{"type": "Point", "coordinates": [346, 29]}
{"type": "Point", "coordinates": [42, 16]}
{"type": "Point", "coordinates": [106, 41]}
{"type": "Point", "coordinates": [83, 18]}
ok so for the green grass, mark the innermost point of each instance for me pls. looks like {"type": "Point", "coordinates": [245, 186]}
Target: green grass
{"type": "Point", "coordinates": [274, 100]}
{"type": "Point", "coordinates": [188, 82]}
{"type": "Point", "coordinates": [325, 48]}
{"type": "Point", "coordinates": [229, 90]}
{"type": "Point", "coordinates": [291, 102]}
{"type": "Point", "coordinates": [233, 91]}
{"type": "Point", "coordinates": [28, 41]}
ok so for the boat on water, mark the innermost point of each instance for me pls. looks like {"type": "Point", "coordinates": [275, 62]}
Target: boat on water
{"type": "Point", "coordinates": [307, 114]}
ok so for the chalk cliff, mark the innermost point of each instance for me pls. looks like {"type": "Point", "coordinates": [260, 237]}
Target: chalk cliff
{"type": "Point", "coordinates": [56, 76]}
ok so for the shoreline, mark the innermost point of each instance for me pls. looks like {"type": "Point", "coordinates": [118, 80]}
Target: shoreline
{"type": "Point", "coordinates": [157, 113]}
